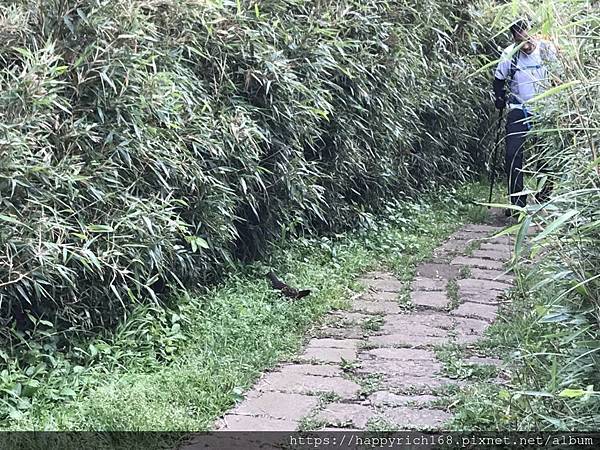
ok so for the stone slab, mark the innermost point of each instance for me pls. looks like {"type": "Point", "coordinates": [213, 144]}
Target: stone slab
{"type": "Point", "coordinates": [481, 228]}
{"type": "Point", "coordinates": [452, 246]}
{"type": "Point", "coordinates": [406, 340]}
{"type": "Point", "coordinates": [376, 307]}
{"type": "Point", "coordinates": [378, 275]}
{"type": "Point", "coordinates": [478, 263]}
{"type": "Point", "coordinates": [378, 296]}
{"type": "Point", "coordinates": [466, 326]}
{"type": "Point", "coordinates": [501, 248]}
{"type": "Point", "coordinates": [323, 370]}
{"type": "Point", "coordinates": [501, 240]}
{"type": "Point", "coordinates": [430, 319]}
{"type": "Point", "coordinates": [491, 254]}
{"type": "Point", "coordinates": [480, 296]}
{"type": "Point", "coordinates": [477, 284]}
{"type": "Point", "coordinates": [412, 329]}
{"type": "Point", "coordinates": [412, 368]}
{"type": "Point", "coordinates": [433, 299]}
{"type": "Point", "coordinates": [494, 275]}
{"type": "Point", "coordinates": [329, 355]}
{"type": "Point", "coordinates": [384, 285]}
{"type": "Point", "coordinates": [233, 422]}
{"type": "Point", "coordinates": [343, 317]}
{"type": "Point", "coordinates": [384, 398]}
{"type": "Point", "coordinates": [346, 415]}
{"type": "Point", "coordinates": [469, 235]}
{"type": "Point", "coordinates": [341, 333]}
{"type": "Point", "coordinates": [417, 419]}
{"type": "Point", "coordinates": [334, 343]}
{"type": "Point", "coordinates": [308, 384]}
{"type": "Point", "coordinates": [432, 270]}
{"type": "Point", "coordinates": [417, 385]}
{"type": "Point", "coordinates": [429, 284]}
{"type": "Point", "coordinates": [401, 354]}
{"type": "Point", "coordinates": [476, 310]}
{"type": "Point", "coordinates": [467, 339]}
{"type": "Point", "coordinates": [277, 405]}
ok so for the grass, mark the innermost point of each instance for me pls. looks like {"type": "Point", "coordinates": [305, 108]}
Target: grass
{"type": "Point", "coordinates": [329, 397]}
{"type": "Point", "coordinates": [479, 214]}
{"type": "Point", "coordinates": [369, 383]}
{"type": "Point", "coordinates": [471, 247]}
{"type": "Point", "coordinates": [178, 367]}
{"type": "Point", "coordinates": [464, 272]}
{"type": "Point", "coordinates": [348, 366]}
{"type": "Point", "coordinates": [544, 392]}
{"type": "Point", "coordinates": [381, 424]}
{"type": "Point", "coordinates": [453, 294]}
{"type": "Point", "coordinates": [311, 424]}
{"type": "Point", "coordinates": [198, 360]}
{"type": "Point", "coordinates": [373, 324]}
{"type": "Point", "coordinates": [452, 357]}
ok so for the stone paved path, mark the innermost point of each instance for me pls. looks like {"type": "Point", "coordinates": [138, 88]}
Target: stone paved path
{"type": "Point", "coordinates": [376, 362]}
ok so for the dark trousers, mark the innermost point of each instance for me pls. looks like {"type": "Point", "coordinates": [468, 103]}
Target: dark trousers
{"type": "Point", "coordinates": [516, 132]}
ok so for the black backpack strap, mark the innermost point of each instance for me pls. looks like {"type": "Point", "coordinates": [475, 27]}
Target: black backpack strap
{"type": "Point", "coordinates": [513, 67]}
{"type": "Point", "coordinates": [513, 70]}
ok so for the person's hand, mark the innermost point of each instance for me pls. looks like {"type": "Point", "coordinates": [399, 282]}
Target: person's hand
{"type": "Point", "coordinates": [500, 102]}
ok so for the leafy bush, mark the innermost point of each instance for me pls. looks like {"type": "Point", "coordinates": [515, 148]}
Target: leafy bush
{"type": "Point", "coordinates": [151, 142]}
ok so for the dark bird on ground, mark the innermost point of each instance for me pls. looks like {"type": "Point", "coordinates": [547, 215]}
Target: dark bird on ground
{"type": "Point", "coordinates": [286, 290]}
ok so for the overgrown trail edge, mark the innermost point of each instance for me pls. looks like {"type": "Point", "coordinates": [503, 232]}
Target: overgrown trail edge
{"type": "Point", "coordinates": [376, 363]}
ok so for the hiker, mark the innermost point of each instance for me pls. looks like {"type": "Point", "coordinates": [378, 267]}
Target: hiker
{"type": "Point", "coordinates": [524, 72]}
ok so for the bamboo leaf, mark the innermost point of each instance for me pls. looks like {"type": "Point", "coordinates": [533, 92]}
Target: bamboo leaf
{"type": "Point", "coordinates": [523, 229]}
{"type": "Point", "coordinates": [554, 90]}
{"type": "Point", "coordinates": [557, 223]}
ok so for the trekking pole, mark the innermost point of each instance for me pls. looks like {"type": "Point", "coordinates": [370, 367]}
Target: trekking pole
{"type": "Point", "coordinates": [495, 155]}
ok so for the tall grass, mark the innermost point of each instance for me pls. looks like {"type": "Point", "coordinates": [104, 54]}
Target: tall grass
{"type": "Point", "coordinates": [145, 143]}
{"type": "Point", "coordinates": [563, 281]}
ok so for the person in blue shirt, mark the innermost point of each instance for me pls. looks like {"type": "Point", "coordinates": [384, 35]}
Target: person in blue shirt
{"type": "Point", "coordinates": [521, 75]}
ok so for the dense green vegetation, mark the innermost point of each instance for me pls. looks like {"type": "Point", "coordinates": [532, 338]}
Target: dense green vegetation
{"type": "Point", "coordinates": [179, 369]}
{"type": "Point", "coordinates": [149, 148]}
{"type": "Point", "coordinates": [148, 143]}
{"type": "Point", "coordinates": [551, 333]}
